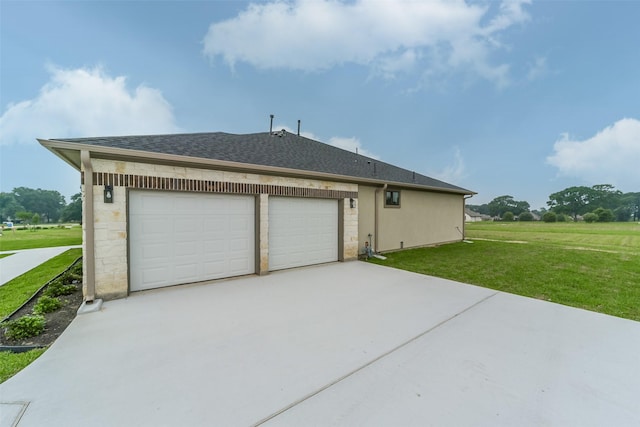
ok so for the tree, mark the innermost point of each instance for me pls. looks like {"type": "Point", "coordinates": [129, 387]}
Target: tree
{"type": "Point", "coordinates": [590, 217]}
{"type": "Point", "coordinates": [481, 209]}
{"type": "Point", "coordinates": [47, 203]}
{"type": "Point", "coordinates": [631, 201]}
{"type": "Point", "coordinates": [507, 216]}
{"type": "Point", "coordinates": [573, 201]}
{"type": "Point", "coordinates": [525, 216]}
{"type": "Point", "coordinates": [622, 213]}
{"type": "Point", "coordinates": [605, 196]}
{"type": "Point", "coordinates": [549, 217]}
{"type": "Point", "coordinates": [24, 216]}
{"type": "Point", "coordinates": [35, 220]}
{"type": "Point", "coordinates": [604, 215]}
{"type": "Point", "coordinates": [500, 205]}
{"type": "Point", "coordinates": [9, 206]}
{"type": "Point", "coordinates": [73, 211]}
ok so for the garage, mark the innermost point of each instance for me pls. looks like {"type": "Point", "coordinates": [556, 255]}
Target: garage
{"type": "Point", "coordinates": [177, 238]}
{"type": "Point", "coordinates": [302, 231]}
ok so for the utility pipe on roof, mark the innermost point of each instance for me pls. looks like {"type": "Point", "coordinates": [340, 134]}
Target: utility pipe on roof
{"type": "Point", "coordinates": [375, 218]}
{"type": "Point", "coordinates": [89, 262]}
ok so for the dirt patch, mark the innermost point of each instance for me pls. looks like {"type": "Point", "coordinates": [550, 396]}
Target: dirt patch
{"type": "Point", "coordinates": [56, 322]}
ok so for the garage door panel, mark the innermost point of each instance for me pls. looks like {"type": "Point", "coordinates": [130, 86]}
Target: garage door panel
{"type": "Point", "coordinates": [302, 232]}
{"type": "Point", "coordinates": [182, 238]}
{"type": "Point", "coordinates": [154, 276]}
{"type": "Point", "coordinates": [239, 264]}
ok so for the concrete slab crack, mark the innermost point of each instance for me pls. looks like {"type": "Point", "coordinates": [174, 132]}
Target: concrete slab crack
{"type": "Point", "coordinates": [371, 362]}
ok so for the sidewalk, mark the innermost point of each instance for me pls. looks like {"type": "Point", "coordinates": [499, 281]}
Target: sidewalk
{"type": "Point", "coordinates": [24, 260]}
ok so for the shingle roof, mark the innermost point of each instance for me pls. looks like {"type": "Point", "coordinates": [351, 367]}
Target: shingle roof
{"type": "Point", "coordinates": [287, 151]}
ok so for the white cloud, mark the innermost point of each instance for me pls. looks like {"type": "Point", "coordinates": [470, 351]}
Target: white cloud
{"type": "Point", "coordinates": [313, 35]}
{"type": "Point", "coordinates": [351, 144]}
{"type": "Point", "coordinates": [455, 172]}
{"type": "Point", "coordinates": [86, 102]}
{"type": "Point", "coordinates": [346, 143]}
{"type": "Point", "coordinates": [609, 157]}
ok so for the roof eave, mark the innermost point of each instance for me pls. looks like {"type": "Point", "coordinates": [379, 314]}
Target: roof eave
{"type": "Point", "coordinates": [59, 147]}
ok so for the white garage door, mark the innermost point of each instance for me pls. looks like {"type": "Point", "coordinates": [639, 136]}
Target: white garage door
{"type": "Point", "coordinates": [177, 238]}
{"type": "Point", "coordinates": [302, 232]}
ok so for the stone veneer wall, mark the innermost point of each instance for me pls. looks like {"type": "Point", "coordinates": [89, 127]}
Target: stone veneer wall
{"type": "Point", "coordinates": [110, 219]}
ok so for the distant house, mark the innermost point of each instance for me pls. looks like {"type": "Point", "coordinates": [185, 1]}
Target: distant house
{"type": "Point", "coordinates": [471, 216]}
{"type": "Point", "coordinates": [164, 210]}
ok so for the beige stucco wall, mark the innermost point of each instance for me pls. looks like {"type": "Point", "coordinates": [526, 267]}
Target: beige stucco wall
{"type": "Point", "coordinates": [350, 237]}
{"type": "Point", "coordinates": [366, 220]}
{"type": "Point", "coordinates": [110, 219]}
{"type": "Point", "coordinates": [423, 218]}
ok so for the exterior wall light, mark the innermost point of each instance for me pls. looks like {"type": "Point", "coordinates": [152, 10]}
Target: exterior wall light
{"type": "Point", "coordinates": [108, 193]}
{"type": "Point", "coordinates": [352, 203]}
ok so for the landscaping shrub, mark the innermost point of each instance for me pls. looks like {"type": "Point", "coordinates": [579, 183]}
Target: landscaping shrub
{"type": "Point", "coordinates": [58, 288]}
{"type": "Point", "coordinates": [507, 216]}
{"type": "Point", "coordinates": [604, 215]}
{"type": "Point", "coordinates": [590, 217]}
{"type": "Point", "coordinates": [549, 217]}
{"type": "Point", "coordinates": [24, 327]}
{"type": "Point", "coordinates": [77, 269]}
{"type": "Point", "coordinates": [525, 216]}
{"type": "Point", "coordinates": [70, 277]}
{"type": "Point", "coordinates": [46, 304]}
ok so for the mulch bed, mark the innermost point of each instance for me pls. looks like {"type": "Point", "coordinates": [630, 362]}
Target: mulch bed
{"type": "Point", "coordinates": [56, 322]}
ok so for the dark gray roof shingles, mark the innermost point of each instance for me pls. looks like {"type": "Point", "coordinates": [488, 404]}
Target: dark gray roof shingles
{"type": "Point", "coordinates": [264, 149]}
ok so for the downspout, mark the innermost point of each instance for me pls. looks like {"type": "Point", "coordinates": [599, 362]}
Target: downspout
{"type": "Point", "coordinates": [464, 223]}
{"type": "Point", "coordinates": [89, 261]}
{"type": "Point", "coordinates": [375, 218]}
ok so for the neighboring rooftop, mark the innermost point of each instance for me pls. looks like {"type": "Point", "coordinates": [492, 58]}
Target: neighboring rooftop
{"type": "Point", "coordinates": [277, 149]}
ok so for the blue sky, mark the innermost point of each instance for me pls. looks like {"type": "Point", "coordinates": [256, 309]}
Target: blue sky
{"type": "Point", "coordinates": [522, 98]}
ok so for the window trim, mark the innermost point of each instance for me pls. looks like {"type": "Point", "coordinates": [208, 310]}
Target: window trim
{"type": "Point", "coordinates": [386, 197]}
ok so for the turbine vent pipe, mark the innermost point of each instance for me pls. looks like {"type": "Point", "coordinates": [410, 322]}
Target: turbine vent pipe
{"type": "Point", "coordinates": [298, 127]}
{"type": "Point", "coordinates": [271, 125]}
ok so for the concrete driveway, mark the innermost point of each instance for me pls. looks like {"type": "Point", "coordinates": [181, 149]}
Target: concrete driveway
{"type": "Point", "coordinates": [342, 344]}
{"type": "Point", "coordinates": [22, 260]}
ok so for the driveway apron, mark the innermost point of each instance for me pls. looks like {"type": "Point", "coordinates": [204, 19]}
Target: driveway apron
{"type": "Point", "coordinates": [338, 344]}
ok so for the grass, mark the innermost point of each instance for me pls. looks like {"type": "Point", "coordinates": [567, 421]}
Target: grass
{"type": "Point", "coordinates": [15, 292]}
{"type": "Point", "coordinates": [12, 363]}
{"type": "Point", "coordinates": [12, 240]}
{"type": "Point", "coordinates": [590, 266]}
{"type": "Point", "coordinates": [615, 236]}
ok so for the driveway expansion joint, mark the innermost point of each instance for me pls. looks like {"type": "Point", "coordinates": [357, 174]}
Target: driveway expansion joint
{"type": "Point", "coordinates": [371, 362]}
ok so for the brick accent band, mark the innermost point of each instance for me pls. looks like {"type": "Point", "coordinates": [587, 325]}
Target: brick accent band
{"type": "Point", "coordinates": [203, 186]}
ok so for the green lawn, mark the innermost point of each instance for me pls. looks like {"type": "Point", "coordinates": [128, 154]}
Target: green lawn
{"type": "Point", "coordinates": [40, 238]}
{"type": "Point", "coordinates": [590, 266]}
{"type": "Point", "coordinates": [15, 292]}
{"type": "Point", "coordinates": [12, 363]}
{"type": "Point", "coordinates": [615, 236]}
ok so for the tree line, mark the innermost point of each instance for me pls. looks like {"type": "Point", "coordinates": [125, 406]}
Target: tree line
{"type": "Point", "coordinates": [34, 206]}
{"type": "Point", "coordinates": [602, 203]}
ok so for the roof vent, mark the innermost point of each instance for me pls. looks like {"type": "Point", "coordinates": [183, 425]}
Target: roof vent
{"type": "Point", "coordinates": [271, 125]}
{"type": "Point", "coordinates": [282, 133]}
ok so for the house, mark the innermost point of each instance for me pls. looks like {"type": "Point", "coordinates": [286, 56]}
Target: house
{"type": "Point", "coordinates": [472, 216]}
{"type": "Point", "coordinates": [164, 210]}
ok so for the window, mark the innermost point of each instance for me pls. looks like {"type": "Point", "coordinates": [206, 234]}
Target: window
{"type": "Point", "coordinates": [392, 199]}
